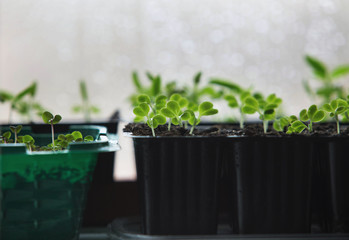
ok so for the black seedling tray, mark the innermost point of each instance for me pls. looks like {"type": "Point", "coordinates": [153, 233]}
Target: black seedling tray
{"type": "Point", "coordinates": [130, 228]}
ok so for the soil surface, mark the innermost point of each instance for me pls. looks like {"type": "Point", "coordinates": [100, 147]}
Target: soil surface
{"type": "Point", "coordinates": [221, 130]}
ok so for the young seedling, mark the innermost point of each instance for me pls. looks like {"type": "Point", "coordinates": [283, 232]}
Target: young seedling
{"type": "Point", "coordinates": [282, 123]}
{"type": "Point", "coordinates": [86, 108]}
{"type": "Point", "coordinates": [311, 115]}
{"type": "Point", "coordinates": [6, 137]}
{"type": "Point", "coordinates": [328, 90]}
{"type": "Point", "coordinates": [204, 109]}
{"type": "Point", "coordinates": [265, 108]}
{"type": "Point", "coordinates": [146, 110]}
{"type": "Point", "coordinates": [16, 130]}
{"type": "Point", "coordinates": [48, 118]}
{"type": "Point", "coordinates": [28, 141]}
{"type": "Point", "coordinates": [335, 108]}
{"type": "Point", "coordinates": [235, 97]}
{"type": "Point", "coordinates": [173, 110]}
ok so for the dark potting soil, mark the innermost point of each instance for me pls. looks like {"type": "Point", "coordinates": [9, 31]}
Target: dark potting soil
{"type": "Point", "coordinates": [221, 130]}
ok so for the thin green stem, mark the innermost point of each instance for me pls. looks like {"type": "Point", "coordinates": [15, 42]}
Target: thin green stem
{"type": "Point", "coordinates": [337, 121]}
{"type": "Point", "coordinates": [53, 136]}
{"type": "Point", "coordinates": [153, 132]}
{"type": "Point", "coordinates": [242, 119]}
{"type": "Point", "coordinates": [15, 136]}
{"type": "Point", "coordinates": [191, 130]}
{"type": "Point", "coordinates": [265, 126]}
{"type": "Point", "coordinates": [169, 125]}
{"type": "Point", "coordinates": [310, 127]}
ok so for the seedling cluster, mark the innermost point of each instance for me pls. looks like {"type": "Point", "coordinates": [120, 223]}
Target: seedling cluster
{"type": "Point", "coordinates": [58, 144]}
{"type": "Point", "coordinates": [176, 109]}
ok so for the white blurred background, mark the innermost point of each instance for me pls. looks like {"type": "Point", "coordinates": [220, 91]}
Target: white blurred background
{"type": "Point", "coordinates": [251, 42]}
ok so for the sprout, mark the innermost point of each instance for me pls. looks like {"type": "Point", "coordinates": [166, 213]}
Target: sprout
{"type": "Point", "coordinates": [86, 108]}
{"type": "Point", "coordinates": [328, 90]}
{"type": "Point", "coordinates": [6, 137]}
{"type": "Point", "coordinates": [142, 111]}
{"type": "Point", "coordinates": [283, 122]}
{"type": "Point", "coordinates": [311, 115]}
{"type": "Point", "coordinates": [336, 108]}
{"type": "Point", "coordinates": [16, 130]}
{"type": "Point", "coordinates": [48, 118]}
{"type": "Point", "coordinates": [173, 110]}
{"type": "Point", "coordinates": [205, 109]}
{"type": "Point", "coordinates": [265, 108]}
{"type": "Point", "coordinates": [29, 141]}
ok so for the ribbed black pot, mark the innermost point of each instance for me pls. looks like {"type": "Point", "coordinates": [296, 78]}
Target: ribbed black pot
{"type": "Point", "coordinates": [334, 176]}
{"type": "Point", "coordinates": [270, 181]}
{"type": "Point", "coordinates": [178, 183]}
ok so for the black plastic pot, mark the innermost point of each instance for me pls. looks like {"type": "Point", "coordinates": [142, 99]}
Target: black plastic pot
{"type": "Point", "coordinates": [178, 183]}
{"type": "Point", "coordinates": [334, 177]}
{"type": "Point", "coordinates": [270, 184]}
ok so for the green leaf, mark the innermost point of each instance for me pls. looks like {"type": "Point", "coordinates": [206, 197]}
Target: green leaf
{"type": "Point", "coordinates": [277, 126]}
{"type": "Point", "coordinates": [318, 67]}
{"type": "Point", "coordinates": [143, 98]}
{"type": "Point", "coordinates": [28, 139]}
{"type": "Point", "coordinates": [142, 110]}
{"type": "Point", "coordinates": [77, 109]}
{"type": "Point", "coordinates": [83, 90]}
{"type": "Point", "coordinates": [76, 135]}
{"type": "Point", "coordinates": [197, 78]}
{"type": "Point", "coordinates": [244, 95]}
{"type": "Point", "coordinates": [209, 112]}
{"type": "Point", "coordinates": [174, 107]}
{"type": "Point", "coordinates": [251, 102]}
{"type": "Point", "coordinates": [88, 138]}
{"type": "Point", "coordinates": [318, 116]}
{"type": "Point", "coordinates": [175, 121]}
{"type": "Point", "coordinates": [311, 111]}
{"type": "Point", "coordinates": [47, 117]}
{"type": "Point", "coordinates": [56, 119]}
{"type": "Point", "coordinates": [270, 106]}
{"type": "Point", "coordinates": [5, 96]}
{"type": "Point", "coordinates": [183, 102]}
{"type": "Point", "coordinates": [168, 113]}
{"type": "Point", "coordinates": [136, 81]}
{"type": "Point", "coordinates": [205, 106]}
{"type": "Point", "coordinates": [232, 101]}
{"type": "Point", "coordinates": [223, 83]}
{"type": "Point", "coordinates": [284, 122]}
{"type": "Point", "coordinates": [94, 109]}
{"type": "Point", "coordinates": [61, 137]}
{"type": "Point", "coordinates": [160, 102]}
{"type": "Point", "coordinates": [298, 126]}
{"type": "Point", "coordinates": [293, 118]}
{"type": "Point", "coordinates": [303, 115]}
{"type": "Point", "coordinates": [341, 110]}
{"type": "Point", "coordinates": [156, 86]}
{"type": "Point", "coordinates": [69, 137]}
{"type": "Point", "coordinates": [7, 134]}
{"type": "Point", "coordinates": [327, 107]}
{"type": "Point", "coordinates": [186, 115]}
{"type": "Point", "coordinates": [340, 71]}
{"type": "Point", "coordinates": [334, 104]}
{"type": "Point", "coordinates": [342, 103]}
{"type": "Point", "coordinates": [159, 119]}
{"type": "Point", "coordinates": [248, 110]}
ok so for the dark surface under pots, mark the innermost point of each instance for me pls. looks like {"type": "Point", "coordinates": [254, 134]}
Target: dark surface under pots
{"type": "Point", "coordinates": [270, 184]}
{"type": "Point", "coordinates": [178, 181]}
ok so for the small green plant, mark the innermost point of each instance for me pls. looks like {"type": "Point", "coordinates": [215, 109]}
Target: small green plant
{"type": "Point", "coordinates": [16, 130]}
{"type": "Point", "coordinates": [312, 115]}
{"type": "Point", "coordinates": [20, 104]}
{"type": "Point", "coordinates": [5, 138]}
{"type": "Point", "coordinates": [173, 110]}
{"type": "Point", "coordinates": [28, 141]}
{"type": "Point", "coordinates": [282, 123]}
{"type": "Point", "coordinates": [266, 108]}
{"type": "Point", "coordinates": [328, 90]}
{"type": "Point", "coordinates": [148, 111]}
{"type": "Point", "coordinates": [86, 108]}
{"type": "Point", "coordinates": [335, 108]}
{"type": "Point", "coordinates": [48, 118]}
{"type": "Point", "coordinates": [204, 109]}
{"type": "Point", "coordinates": [235, 97]}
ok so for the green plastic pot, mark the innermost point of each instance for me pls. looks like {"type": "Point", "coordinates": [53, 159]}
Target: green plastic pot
{"type": "Point", "coordinates": [43, 194]}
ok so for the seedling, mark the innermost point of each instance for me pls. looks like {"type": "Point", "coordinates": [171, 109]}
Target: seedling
{"type": "Point", "coordinates": [313, 114]}
{"type": "Point", "coordinates": [28, 141]}
{"type": "Point", "coordinates": [152, 91]}
{"type": "Point", "coordinates": [16, 130]}
{"type": "Point", "coordinates": [148, 111]}
{"type": "Point", "coordinates": [204, 109]}
{"type": "Point", "coordinates": [48, 118]}
{"type": "Point", "coordinates": [86, 108]}
{"type": "Point", "coordinates": [282, 123]}
{"type": "Point", "coordinates": [173, 110]}
{"type": "Point", "coordinates": [335, 108]}
{"type": "Point", "coordinates": [19, 104]}
{"type": "Point", "coordinates": [5, 138]}
{"type": "Point", "coordinates": [328, 90]}
{"type": "Point", "coordinates": [235, 97]}
{"type": "Point", "coordinates": [265, 108]}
